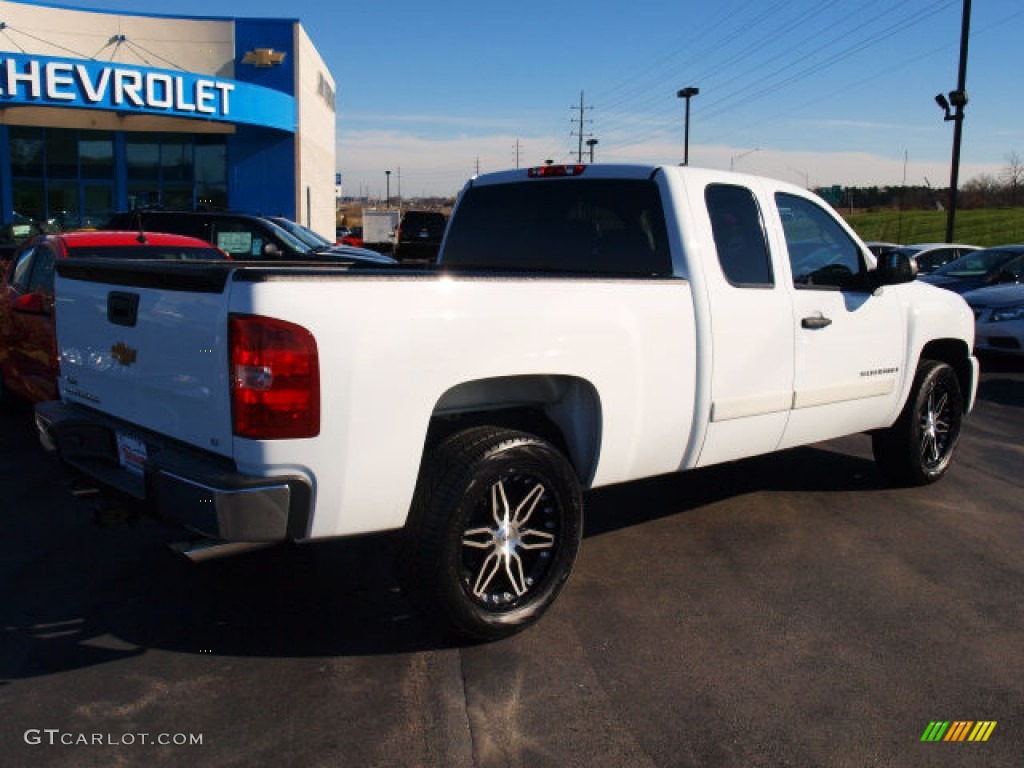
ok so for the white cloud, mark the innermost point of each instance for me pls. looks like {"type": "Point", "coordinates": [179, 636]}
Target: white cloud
{"type": "Point", "coordinates": [424, 166]}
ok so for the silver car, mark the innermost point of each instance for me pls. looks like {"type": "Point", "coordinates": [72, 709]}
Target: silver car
{"type": "Point", "coordinates": [998, 318]}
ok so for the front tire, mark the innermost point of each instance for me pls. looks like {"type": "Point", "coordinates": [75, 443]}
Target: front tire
{"type": "Point", "coordinates": [493, 532]}
{"type": "Point", "coordinates": [919, 447]}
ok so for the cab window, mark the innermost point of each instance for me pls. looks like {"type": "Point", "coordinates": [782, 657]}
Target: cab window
{"type": "Point", "coordinates": [739, 236]}
{"type": "Point", "coordinates": [821, 254]}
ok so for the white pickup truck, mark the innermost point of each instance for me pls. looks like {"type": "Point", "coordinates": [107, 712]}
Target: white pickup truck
{"type": "Point", "coordinates": [585, 325]}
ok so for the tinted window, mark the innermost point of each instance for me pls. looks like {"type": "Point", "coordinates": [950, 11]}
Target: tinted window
{"type": "Point", "coordinates": [976, 263]}
{"type": "Point", "coordinates": [739, 235]}
{"type": "Point", "coordinates": [577, 225]}
{"type": "Point", "coordinates": [821, 254]}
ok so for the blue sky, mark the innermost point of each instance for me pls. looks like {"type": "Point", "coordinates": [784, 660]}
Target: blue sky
{"type": "Point", "coordinates": [812, 91]}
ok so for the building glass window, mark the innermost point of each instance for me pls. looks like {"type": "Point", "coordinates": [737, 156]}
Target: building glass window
{"type": "Point", "coordinates": [61, 153]}
{"type": "Point", "coordinates": [96, 154]}
{"type": "Point", "coordinates": [99, 205]}
{"type": "Point", "coordinates": [26, 145]}
{"type": "Point", "coordinates": [176, 159]}
{"type": "Point", "coordinates": [65, 178]}
{"type": "Point", "coordinates": [62, 204]}
{"type": "Point", "coordinates": [142, 154]}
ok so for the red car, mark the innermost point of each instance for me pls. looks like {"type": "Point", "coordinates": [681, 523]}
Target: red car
{"type": "Point", "coordinates": [28, 342]}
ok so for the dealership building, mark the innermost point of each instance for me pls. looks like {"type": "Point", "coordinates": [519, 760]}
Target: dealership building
{"type": "Point", "coordinates": [108, 111]}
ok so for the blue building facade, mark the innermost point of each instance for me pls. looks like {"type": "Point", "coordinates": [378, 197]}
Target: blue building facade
{"type": "Point", "coordinates": [182, 113]}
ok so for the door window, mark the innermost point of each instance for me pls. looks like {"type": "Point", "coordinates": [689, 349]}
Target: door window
{"type": "Point", "coordinates": [821, 254]}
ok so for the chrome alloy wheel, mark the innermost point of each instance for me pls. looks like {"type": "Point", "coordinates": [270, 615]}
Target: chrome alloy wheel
{"type": "Point", "coordinates": [511, 542]}
{"type": "Point", "coordinates": [936, 422]}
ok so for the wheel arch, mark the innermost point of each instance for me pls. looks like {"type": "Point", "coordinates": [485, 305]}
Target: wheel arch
{"type": "Point", "coordinates": [957, 355]}
{"type": "Point", "coordinates": [565, 410]}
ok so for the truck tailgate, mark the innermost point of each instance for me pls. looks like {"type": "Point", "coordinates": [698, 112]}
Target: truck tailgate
{"type": "Point", "coordinates": [146, 343]}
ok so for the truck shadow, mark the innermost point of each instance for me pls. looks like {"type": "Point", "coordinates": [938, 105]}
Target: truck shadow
{"type": "Point", "coordinates": [104, 595]}
{"type": "Point", "coordinates": [73, 595]}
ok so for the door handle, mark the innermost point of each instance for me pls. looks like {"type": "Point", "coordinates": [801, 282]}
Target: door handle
{"type": "Point", "coordinates": [815, 322]}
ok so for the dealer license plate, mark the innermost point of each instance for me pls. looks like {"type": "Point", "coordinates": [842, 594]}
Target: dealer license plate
{"type": "Point", "coordinates": [132, 453]}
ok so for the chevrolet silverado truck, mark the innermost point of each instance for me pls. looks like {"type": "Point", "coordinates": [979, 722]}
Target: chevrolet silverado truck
{"type": "Point", "coordinates": [583, 325]}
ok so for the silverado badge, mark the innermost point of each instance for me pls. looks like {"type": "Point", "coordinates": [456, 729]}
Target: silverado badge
{"type": "Point", "coordinates": [124, 354]}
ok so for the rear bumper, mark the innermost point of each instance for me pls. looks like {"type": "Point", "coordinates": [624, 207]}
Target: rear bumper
{"type": "Point", "coordinates": [176, 483]}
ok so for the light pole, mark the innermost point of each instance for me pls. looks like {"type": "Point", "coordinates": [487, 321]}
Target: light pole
{"type": "Point", "coordinates": [591, 143]}
{"type": "Point", "coordinates": [687, 93]}
{"type": "Point", "coordinates": [741, 155]}
{"type": "Point", "coordinates": [387, 177]}
{"type": "Point", "coordinates": [958, 100]}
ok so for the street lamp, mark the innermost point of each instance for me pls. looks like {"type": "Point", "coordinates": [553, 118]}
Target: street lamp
{"type": "Point", "coordinates": [954, 111]}
{"type": "Point", "coordinates": [741, 155]}
{"type": "Point", "coordinates": [387, 176]}
{"type": "Point", "coordinates": [687, 93]}
{"type": "Point", "coordinates": [591, 143]}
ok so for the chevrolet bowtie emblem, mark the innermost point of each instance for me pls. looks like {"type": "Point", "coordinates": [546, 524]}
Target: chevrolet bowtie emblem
{"type": "Point", "coordinates": [263, 57]}
{"type": "Point", "coordinates": [124, 354]}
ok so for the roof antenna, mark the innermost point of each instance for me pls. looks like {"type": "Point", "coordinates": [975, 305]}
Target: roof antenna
{"type": "Point", "coordinates": [142, 234]}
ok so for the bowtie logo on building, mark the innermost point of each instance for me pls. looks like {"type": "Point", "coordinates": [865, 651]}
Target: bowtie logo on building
{"type": "Point", "coordinates": [263, 57]}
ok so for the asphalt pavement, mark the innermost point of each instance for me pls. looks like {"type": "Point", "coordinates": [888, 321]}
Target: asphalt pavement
{"type": "Point", "coordinates": [788, 610]}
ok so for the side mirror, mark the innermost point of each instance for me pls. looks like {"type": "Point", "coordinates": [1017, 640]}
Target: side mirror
{"type": "Point", "coordinates": [271, 251]}
{"type": "Point", "coordinates": [31, 304]}
{"type": "Point", "coordinates": [894, 269]}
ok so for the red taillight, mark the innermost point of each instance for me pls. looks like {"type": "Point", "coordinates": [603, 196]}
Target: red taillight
{"type": "Point", "coordinates": [275, 379]}
{"type": "Point", "coordinates": [546, 171]}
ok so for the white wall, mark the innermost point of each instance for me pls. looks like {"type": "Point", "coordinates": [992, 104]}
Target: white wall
{"type": "Point", "coordinates": [314, 146]}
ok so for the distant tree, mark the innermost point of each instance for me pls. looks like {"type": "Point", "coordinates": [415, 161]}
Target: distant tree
{"type": "Point", "coordinates": [979, 192]}
{"type": "Point", "coordinates": [1013, 175]}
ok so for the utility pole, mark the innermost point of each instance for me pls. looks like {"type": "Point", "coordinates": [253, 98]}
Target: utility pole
{"type": "Point", "coordinates": [958, 99]}
{"type": "Point", "coordinates": [517, 148]}
{"type": "Point", "coordinates": [580, 133]}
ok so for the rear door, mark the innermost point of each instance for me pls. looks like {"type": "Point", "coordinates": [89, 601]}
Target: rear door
{"type": "Point", "coordinates": [750, 310]}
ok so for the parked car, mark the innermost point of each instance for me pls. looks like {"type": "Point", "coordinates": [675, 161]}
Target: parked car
{"type": "Point", "coordinates": [242, 236]}
{"type": "Point", "coordinates": [353, 238]}
{"type": "Point", "coordinates": [419, 235]}
{"type": "Point", "coordinates": [28, 347]}
{"type": "Point", "coordinates": [931, 256]}
{"type": "Point", "coordinates": [998, 318]}
{"type": "Point", "coordinates": [1003, 264]}
{"type": "Point", "coordinates": [324, 247]}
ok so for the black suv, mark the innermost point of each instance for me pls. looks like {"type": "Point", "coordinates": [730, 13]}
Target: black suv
{"type": "Point", "coordinates": [419, 235]}
{"type": "Point", "coordinates": [242, 236]}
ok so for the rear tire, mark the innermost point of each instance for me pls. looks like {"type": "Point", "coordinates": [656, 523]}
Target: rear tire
{"type": "Point", "coordinates": [919, 447]}
{"type": "Point", "coordinates": [493, 532]}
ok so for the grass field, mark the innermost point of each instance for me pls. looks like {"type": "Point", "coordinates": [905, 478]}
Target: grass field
{"type": "Point", "coordinates": [985, 227]}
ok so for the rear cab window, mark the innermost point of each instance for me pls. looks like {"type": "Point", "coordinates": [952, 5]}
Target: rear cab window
{"type": "Point", "coordinates": [572, 226]}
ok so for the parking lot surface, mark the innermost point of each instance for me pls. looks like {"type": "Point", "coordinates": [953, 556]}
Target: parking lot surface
{"type": "Point", "coordinates": [785, 610]}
